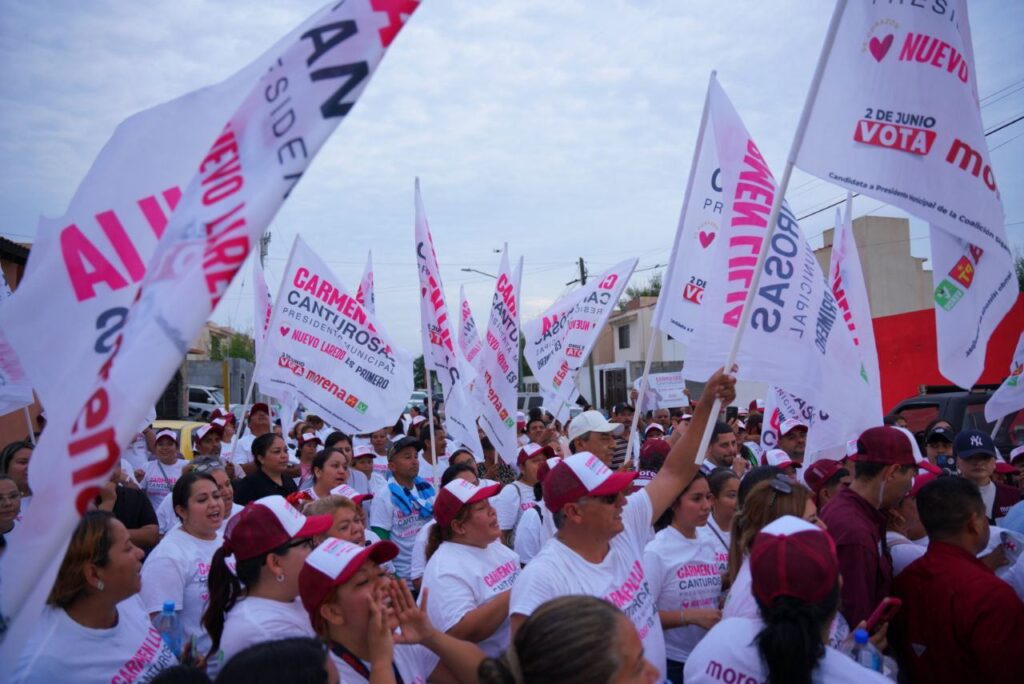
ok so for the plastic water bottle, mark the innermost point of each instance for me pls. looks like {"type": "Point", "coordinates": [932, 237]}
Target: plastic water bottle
{"type": "Point", "coordinates": [864, 652]}
{"type": "Point", "coordinates": [169, 626]}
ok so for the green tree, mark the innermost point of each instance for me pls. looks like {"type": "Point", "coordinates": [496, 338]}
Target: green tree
{"type": "Point", "coordinates": [216, 353]}
{"type": "Point", "coordinates": [1018, 263]}
{"type": "Point", "coordinates": [418, 378]}
{"type": "Point", "coordinates": [239, 346]}
{"type": "Point", "coordinates": [652, 288]}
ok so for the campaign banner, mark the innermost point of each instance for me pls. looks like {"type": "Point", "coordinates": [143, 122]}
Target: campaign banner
{"type": "Point", "coordinates": [297, 95]}
{"type": "Point", "coordinates": [1009, 397]}
{"type": "Point", "coordinates": [846, 278]}
{"type": "Point", "coordinates": [498, 386]}
{"type": "Point", "coordinates": [559, 341]}
{"type": "Point", "coordinates": [664, 390]}
{"type": "Point", "coordinates": [263, 306]}
{"type": "Point", "coordinates": [469, 338]}
{"type": "Point", "coordinates": [974, 289]}
{"type": "Point", "coordinates": [365, 295]}
{"type": "Point", "coordinates": [440, 351]}
{"type": "Point", "coordinates": [826, 435]}
{"type": "Point", "coordinates": [15, 389]}
{"type": "Point", "coordinates": [327, 350]}
{"type": "Point", "coordinates": [896, 117]}
{"type": "Point", "coordinates": [677, 312]}
{"type": "Point", "coordinates": [795, 337]}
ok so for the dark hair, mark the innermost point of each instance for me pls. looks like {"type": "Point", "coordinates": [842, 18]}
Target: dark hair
{"type": "Point", "coordinates": [721, 429]}
{"type": "Point", "coordinates": [753, 476]}
{"type": "Point", "coordinates": [183, 489]}
{"type": "Point", "coordinates": [90, 543]}
{"type": "Point", "coordinates": [535, 419]}
{"type": "Point", "coordinates": [299, 660]}
{"type": "Point", "coordinates": [867, 470]}
{"type": "Point", "coordinates": [790, 641]}
{"type": "Point", "coordinates": [320, 460]}
{"type": "Point", "coordinates": [335, 437]}
{"type": "Point", "coordinates": [567, 640]}
{"type": "Point", "coordinates": [398, 428]}
{"type": "Point", "coordinates": [180, 674]}
{"type": "Point", "coordinates": [666, 518]}
{"type": "Point", "coordinates": [260, 446]}
{"type": "Point", "coordinates": [423, 432]}
{"type": "Point", "coordinates": [718, 478]}
{"type": "Point", "coordinates": [754, 419]}
{"type": "Point", "coordinates": [8, 453]}
{"type": "Point", "coordinates": [835, 479]}
{"type": "Point", "coordinates": [619, 409]}
{"type": "Point", "coordinates": [890, 419]}
{"type": "Point", "coordinates": [945, 505]}
{"type": "Point", "coordinates": [452, 471]}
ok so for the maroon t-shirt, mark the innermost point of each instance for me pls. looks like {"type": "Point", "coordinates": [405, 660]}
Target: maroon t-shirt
{"type": "Point", "coordinates": [858, 529]}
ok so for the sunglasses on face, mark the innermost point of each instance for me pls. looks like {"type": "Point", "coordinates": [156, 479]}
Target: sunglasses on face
{"type": "Point", "coordinates": [307, 542]}
{"type": "Point", "coordinates": [609, 499]}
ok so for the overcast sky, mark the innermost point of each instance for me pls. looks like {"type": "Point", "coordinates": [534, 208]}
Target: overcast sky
{"type": "Point", "coordinates": [565, 128]}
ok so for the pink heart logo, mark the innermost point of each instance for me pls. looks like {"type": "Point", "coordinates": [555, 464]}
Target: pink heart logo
{"type": "Point", "coordinates": [285, 330]}
{"type": "Point", "coordinates": [705, 239]}
{"type": "Point", "coordinates": [880, 48]}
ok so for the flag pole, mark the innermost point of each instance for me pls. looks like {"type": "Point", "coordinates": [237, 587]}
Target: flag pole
{"type": "Point", "coordinates": [995, 428]}
{"type": "Point", "coordinates": [32, 432]}
{"type": "Point", "coordinates": [773, 216]}
{"type": "Point", "coordinates": [675, 251]}
{"type": "Point", "coordinates": [430, 419]}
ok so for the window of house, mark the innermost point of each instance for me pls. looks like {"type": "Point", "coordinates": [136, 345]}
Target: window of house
{"type": "Point", "coordinates": [623, 337]}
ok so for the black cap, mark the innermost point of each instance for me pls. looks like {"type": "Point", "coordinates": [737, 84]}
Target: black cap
{"type": "Point", "coordinates": [974, 443]}
{"type": "Point", "coordinates": [404, 443]}
{"type": "Point", "coordinates": [939, 432]}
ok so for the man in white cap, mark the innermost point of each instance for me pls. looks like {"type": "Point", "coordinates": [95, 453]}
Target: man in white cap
{"type": "Point", "coordinates": [599, 546]}
{"type": "Point", "coordinates": [591, 432]}
{"type": "Point", "coordinates": [793, 438]}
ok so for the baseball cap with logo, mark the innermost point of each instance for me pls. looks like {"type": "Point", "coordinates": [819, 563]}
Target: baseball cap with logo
{"type": "Point", "coordinates": [363, 451]}
{"type": "Point", "coordinates": [653, 453]}
{"type": "Point", "coordinates": [884, 444]}
{"type": "Point", "coordinates": [546, 467]}
{"type": "Point", "coordinates": [332, 564]}
{"type": "Point", "coordinates": [779, 459]}
{"type": "Point", "coordinates": [350, 493]}
{"type": "Point", "coordinates": [582, 474]}
{"type": "Point", "coordinates": [592, 421]}
{"type": "Point", "coordinates": [166, 433]}
{"type": "Point", "coordinates": [267, 524]}
{"type": "Point", "coordinates": [791, 424]}
{"type": "Point", "coordinates": [216, 425]}
{"type": "Point", "coordinates": [791, 557]}
{"type": "Point", "coordinates": [307, 437]}
{"type": "Point", "coordinates": [221, 413]}
{"type": "Point", "coordinates": [1017, 454]}
{"type": "Point", "coordinates": [458, 494]}
{"type": "Point", "coordinates": [653, 427]}
{"type": "Point", "coordinates": [820, 472]}
{"type": "Point", "coordinates": [973, 444]}
{"type": "Point", "coordinates": [405, 443]}
{"type": "Point", "coordinates": [531, 449]}
{"type": "Point", "coordinates": [939, 433]}
{"type": "Point", "coordinates": [259, 406]}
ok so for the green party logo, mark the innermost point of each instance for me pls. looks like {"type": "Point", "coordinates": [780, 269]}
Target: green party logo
{"type": "Point", "coordinates": [947, 295]}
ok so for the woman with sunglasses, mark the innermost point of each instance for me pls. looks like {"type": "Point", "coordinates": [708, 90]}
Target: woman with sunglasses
{"type": "Point", "coordinates": [258, 601]}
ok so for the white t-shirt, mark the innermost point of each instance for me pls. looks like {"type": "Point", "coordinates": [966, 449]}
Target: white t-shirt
{"type": "Point", "coordinates": [158, 479]}
{"type": "Point", "coordinates": [167, 519]}
{"type": "Point", "coordinates": [988, 496]}
{"type": "Point", "coordinates": [513, 499]}
{"type": "Point", "coordinates": [620, 578]}
{"type": "Point", "coordinates": [243, 451]}
{"type": "Point", "coordinates": [378, 481]}
{"type": "Point", "coordinates": [254, 620]}
{"type": "Point", "coordinates": [380, 465]}
{"type": "Point", "coordinates": [427, 468]}
{"type": "Point", "coordinates": [684, 575]}
{"type": "Point", "coordinates": [60, 649]}
{"type": "Point", "coordinates": [177, 570]}
{"type": "Point", "coordinates": [419, 551]}
{"type": "Point", "coordinates": [402, 527]}
{"type": "Point", "coordinates": [358, 481]}
{"type": "Point", "coordinates": [534, 530]}
{"type": "Point", "coordinates": [904, 551]}
{"type": "Point", "coordinates": [728, 654]}
{"type": "Point", "coordinates": [414, 662]}
{"type": "Point", "coordinates": [461, 578]}
{"type": "Point", "coordinates": [721, 540]}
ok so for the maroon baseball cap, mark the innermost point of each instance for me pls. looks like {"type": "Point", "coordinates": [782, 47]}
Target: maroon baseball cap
{"type": "Point", "coordinates": [884, 444]}
{"type": "Point", "coordinates": [268, 523]}
{"type": "Point", "coordinates": [458, 494]}
{"type": "Point", "coordinates": [332, 564]}
{"type": "Point", "coordinates": [582, 474]}
{"type": "Point", "coordinates": [920, 480]}
{"type": "Point", "coordinates": [820, 472]}
{"type": "Point", "coordinates": [653, 453]}
{"type": "Point", "coordinates": [792, 557]}
{"type": "Point", "coordinates": [259, 406]}
{"type": "Point", "coordinates": [531, 449]}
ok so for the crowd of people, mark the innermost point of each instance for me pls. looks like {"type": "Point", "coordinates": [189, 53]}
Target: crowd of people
{"type": "Point", "coordinates": [601, 554]}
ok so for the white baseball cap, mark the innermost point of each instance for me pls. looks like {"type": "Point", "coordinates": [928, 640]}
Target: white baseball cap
{"type": "Point", "coordinates": [654, 426]}
{"type": "Point", "coordinates": [308, 437]}
{"type": "Point", "coordinates": [350, 493]}
{"type": "Point", "coordinates": [779, 458]}
{"type": "Point", "coordinates": [592, 421]}
{"type": "Point", "coordinates": [363, 450]}
{"type": "Point", "coordinates": [791, 424]}
{"type": "Point", "coordinates": [166, 433]}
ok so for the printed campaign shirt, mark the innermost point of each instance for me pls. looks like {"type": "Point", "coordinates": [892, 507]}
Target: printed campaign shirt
{"type": "Point", "coordinates": [728, 654]}
{"type": "Point", "coordinates": [461, 578]}
{"type": "Point", "coordinates": [534, 530]}
{"type": "Point", "coordinates": [158, 479]}
{"type": "Point", "coordinates": [129, 652]}
{"type": "Point", "coordinates": [402, 527]}
{"type": "Point", "coordinates": [620, 578]}
{"type": "Point", "coordinates": [254, 620]}
{"type": "Point", "coordinates": [512, 501]}
{"type": "Point", "coordinates": [419, 551]}
{"type": "Point", "coordinates": [414, 662]}
{"type": "Point", "coordinates": [684, 574]}
{"type": "Point", "coordinates": [178, 570]}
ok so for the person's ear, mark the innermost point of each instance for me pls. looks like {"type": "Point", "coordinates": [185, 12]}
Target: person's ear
{"type": "Point", "coordinates": [332, 614]}
{"type": "Point", "coordinates": [92, 576]}
{"type": "Point", "coordinates": [572, 512]}
{"type": "Point", "coordinates": [890, 471]}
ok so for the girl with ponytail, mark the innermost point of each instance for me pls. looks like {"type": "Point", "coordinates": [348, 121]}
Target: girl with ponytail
{"type": "Point", "coordinates": [258, 602]}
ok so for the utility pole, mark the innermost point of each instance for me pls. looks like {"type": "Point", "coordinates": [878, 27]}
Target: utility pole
{"type": "Point", "coordinates": [590, 357]}
{"type": "Point", "coordinates": [264, 247]}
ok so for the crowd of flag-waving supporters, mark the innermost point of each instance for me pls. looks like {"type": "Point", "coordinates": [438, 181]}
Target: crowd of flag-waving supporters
{"type": "Point", "coordinates": [299, 553]}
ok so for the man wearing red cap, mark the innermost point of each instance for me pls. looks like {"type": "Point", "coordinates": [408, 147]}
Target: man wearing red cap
{"type": "Point", "coordinates": [959, 622]}
{"type": "Point", "coordinates": [599, 546]}
{"type": "Point", "coordinates": [884, 468]}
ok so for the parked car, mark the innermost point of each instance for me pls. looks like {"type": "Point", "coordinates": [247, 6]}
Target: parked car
{"type": "Point", "coordinates": [964, 411]}
{"type": "Point", "coordinates": [202, 400]}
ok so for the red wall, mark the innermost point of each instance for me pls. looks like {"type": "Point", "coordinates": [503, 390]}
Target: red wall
{"type": "Point", "coordinates": [907, 356]}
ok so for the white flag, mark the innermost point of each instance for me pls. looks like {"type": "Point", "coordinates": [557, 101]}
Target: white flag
{"type": "Point", "coordinates": [263, 306]}
{"type": "Point", "coordinates": [469, 338]}
{"type": "Point", "coordinates": [792, 339]}
{"type": "Point", "coordinates": [1010, 395]}
{"type": "Point", "coordinates": [440, 350]}
{"type": "Point", "coordinates": [238, 185]}
{"type": "Point", "coordinates": [896, 117]}
{"type": "Point", "coordinates": [364, 295]}
{"type": "Point", "coordinates": [497, 388]}
{"type": "Point", "coordinates": [330, 352]}
{"type": "Point", "coordinates": [846, 278]}
{"type": "Point", "coordinates": [559, 341]}
{"type": "Point", "coordinates": [15, 389]}
{"type": "Point", "coordinates": [678, 310]}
